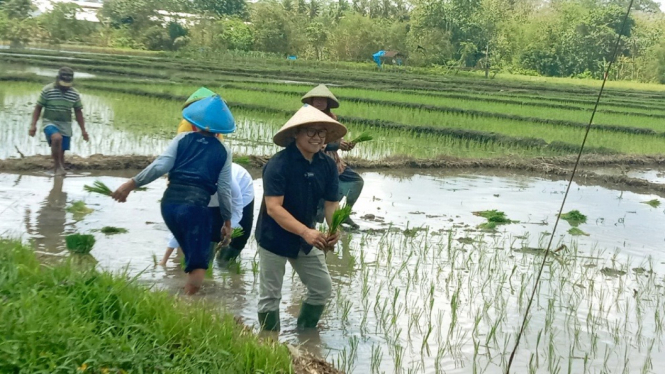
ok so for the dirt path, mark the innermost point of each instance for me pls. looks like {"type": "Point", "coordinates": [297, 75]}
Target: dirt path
{"type": "Point", "coordinates": [558, 166]}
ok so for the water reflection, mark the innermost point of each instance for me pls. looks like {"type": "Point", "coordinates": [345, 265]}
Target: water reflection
{"type": "Point", "coordinates": [51, 219]}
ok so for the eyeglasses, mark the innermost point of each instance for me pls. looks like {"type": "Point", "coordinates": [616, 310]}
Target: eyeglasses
{"type": "Point", "coordinates": [322, 133]}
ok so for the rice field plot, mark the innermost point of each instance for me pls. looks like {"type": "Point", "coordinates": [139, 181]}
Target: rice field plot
{"type": "Point", "coordinates": [489, 105]}
{"type": "Point", "coordinates": [194, 71]}
{"type": "Point", "coordinates": [625, 143]}
{"type": "Point", "coordinates": [417, 81]}
{"type": "Point", "coordinates": [159, 116]}
{"type": "Point", "coordinates": [131, 124]}
{"type": "Point", "coordinates": [429, 303]}
{"type": "Point", "coordinates": [458, 133]}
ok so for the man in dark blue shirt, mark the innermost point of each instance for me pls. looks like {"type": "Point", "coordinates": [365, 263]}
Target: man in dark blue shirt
{"type": "Point", "coordinates": [294, 180]}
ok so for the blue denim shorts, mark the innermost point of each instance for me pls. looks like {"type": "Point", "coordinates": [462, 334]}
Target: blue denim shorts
{"type": "Point", "coordinates": [191, 227]}
{"type": "Point", "coordinates": [49, 130]}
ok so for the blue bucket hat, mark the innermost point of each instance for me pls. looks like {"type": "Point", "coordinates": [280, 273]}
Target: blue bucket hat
{"type": "Point", "coordinates": [210, 114]}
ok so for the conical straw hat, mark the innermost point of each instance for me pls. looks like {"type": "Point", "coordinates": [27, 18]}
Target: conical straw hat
{"type": "Point", "coordinates": [308, 115]}
{"type": "Point", "coordinates": [210, 114]}
{"type": "Point", "coordinates": [322, 91]}
{"type": "Point", "coordinates": [199, 94]}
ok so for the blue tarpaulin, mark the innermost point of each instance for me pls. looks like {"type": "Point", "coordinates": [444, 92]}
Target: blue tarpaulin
{"type": "Point", "coordinates": [377, 57]}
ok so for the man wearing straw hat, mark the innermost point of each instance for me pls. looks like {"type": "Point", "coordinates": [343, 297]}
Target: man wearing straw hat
{"type": "Point", "coordinates": [198, 165]}
{"type": "Point", "coordinates": [350, 183]}
{"type": "Point", "coordinates": [58, 99]}
{"type": "Point", "coordinates": [294, 180]}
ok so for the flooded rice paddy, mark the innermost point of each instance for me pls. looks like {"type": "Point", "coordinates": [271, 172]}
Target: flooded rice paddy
{"type": "Point", "coordinates": [419, 289]}
{"type": "Point", "coordinates": [121, 124]}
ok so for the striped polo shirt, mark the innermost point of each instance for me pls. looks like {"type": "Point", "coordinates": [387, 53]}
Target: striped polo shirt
{"type": "Point", "coordinates": [58, 107]}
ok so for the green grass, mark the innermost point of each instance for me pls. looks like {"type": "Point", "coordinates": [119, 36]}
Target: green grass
{"type": "Point", "coordinates": [56, 319]}
{"type": "Point", "coordinates": [80, 243]}
{"type": "Point", "coordinates": [79, 210]}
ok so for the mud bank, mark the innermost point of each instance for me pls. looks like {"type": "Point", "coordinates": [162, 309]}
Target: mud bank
{"type": "Point", "coordinates": [553, 166]}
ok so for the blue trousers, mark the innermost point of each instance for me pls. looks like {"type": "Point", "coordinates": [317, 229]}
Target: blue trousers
{"type": "Point", "coordinates": [191, 225]}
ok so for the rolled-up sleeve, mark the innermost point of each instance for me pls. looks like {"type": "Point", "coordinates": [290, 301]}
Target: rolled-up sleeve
{"type": "Point", "coordinates": [236, 203]}
{"type": "Point", "coordinates": [334, 146]}
{"type": "Point", "coordinates": [224, 187]}
{"type": "Point", "coordinates": [162, 165]}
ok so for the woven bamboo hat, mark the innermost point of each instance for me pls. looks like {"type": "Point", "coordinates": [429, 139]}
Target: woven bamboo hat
{"type": "Point", "coordinates": [308, 115]}
{"type": "Point", "coordinates": [321, 91]}
{"type": "Point", "coordinates": [199, 94]}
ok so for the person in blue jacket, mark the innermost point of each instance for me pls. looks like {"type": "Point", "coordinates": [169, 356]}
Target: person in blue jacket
{"type": "Point", "coordinates": [198, 165]}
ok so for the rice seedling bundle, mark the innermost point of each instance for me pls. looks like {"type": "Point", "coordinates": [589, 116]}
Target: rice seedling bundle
{"type": "Point", "coordinates": [655, 203]}
{"type": "Point", "coordinates": [494, 218]}
{"type": "Point", "coordinates": [98, 187]}
{"type": "Point", "coordinates": [577, 232]}
{"type": "Point", "coordinates": [237, 232]}
{"type": "Point", "coordinates": [364, 137]}
{"type": "Point", "coordinates": [574, 217]}
{"type": "Point", "coordinates": [80, 243]}
{"type": "Point", "coordinates": [111, 230]}
{"type": "Point", "coordinates": [340, 215]}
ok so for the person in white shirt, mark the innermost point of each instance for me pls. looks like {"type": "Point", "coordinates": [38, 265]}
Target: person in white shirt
{"type": "Point", "coordinates": [246, 185]}
{"type": "Point", "coordinates": [242, 189]}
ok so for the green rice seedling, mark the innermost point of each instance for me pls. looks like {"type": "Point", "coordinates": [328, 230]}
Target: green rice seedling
{"type": "Point", "coordinates": [237, 232]}
{"type": "Point", "coordinates": [654, 203]}
{"type": "Point", "coordinates": [98, 187]}
{"type": "Point", "coordinates": [79, 210]}
{"type": "Point", "coordinates": [80, 243]}
{"type": "Point", "coordinates": [341, 214]}
{"type": "Point", "coordinates": [364, 137]}
{"type": "Point", "coordinates": [574, 217]}
{"type": "Point", "coordinates": [494, 218]}
{"type": "Point", "coordinates": [577, 232]}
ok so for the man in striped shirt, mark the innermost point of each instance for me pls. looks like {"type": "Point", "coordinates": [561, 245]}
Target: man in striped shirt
{"type": "Point", "coordinates": [58, 99]}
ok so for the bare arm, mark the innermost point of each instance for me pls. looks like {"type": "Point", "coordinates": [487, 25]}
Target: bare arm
{"type": "Point", "coordinates": [275, 209]}
{"type": "Point", "coordinates": [35, 117]}
{"type": "Point", "coordinates": [81, 121]}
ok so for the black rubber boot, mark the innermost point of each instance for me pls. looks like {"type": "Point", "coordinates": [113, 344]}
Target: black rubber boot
{"type": "Point", "coordinates": [226, 255]}
{"type": "Point", "coordinates": [269, 321]}
{"type": "Point", "coordinates": [309, 316]}
{"type": "Point", "coordinates": [349, 222]}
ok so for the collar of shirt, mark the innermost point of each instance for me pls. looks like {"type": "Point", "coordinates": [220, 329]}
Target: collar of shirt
{"type": "Point", "coordinates": [295, 154]}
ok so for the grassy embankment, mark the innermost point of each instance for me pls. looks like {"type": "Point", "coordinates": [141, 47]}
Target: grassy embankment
{"type": "Point", "coordinates": [63, 318]}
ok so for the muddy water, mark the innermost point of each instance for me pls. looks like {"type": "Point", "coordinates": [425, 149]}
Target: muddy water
{"type": "Point", "coordinates": [417, 302]}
